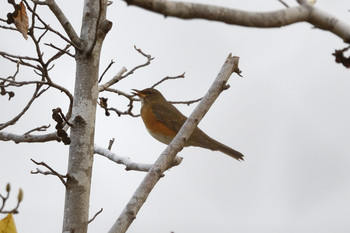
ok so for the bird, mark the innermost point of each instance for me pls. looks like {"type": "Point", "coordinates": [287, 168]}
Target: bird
{"type": "Point", "coordinates": [163, 121]}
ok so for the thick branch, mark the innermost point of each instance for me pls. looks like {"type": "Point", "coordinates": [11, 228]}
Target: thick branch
{"type": "Point", "coordinates": [114, 80]}
{"type": "Point", "coordinates": [129, 165]}
{"type": "Point", "coordinates": [328, 22]}
{"type": "Point", "coordinates": [279, 18]}
{"type": "Point", "coordinates": [186, 10]}
{"type": "Point", "coordinates": [163, 162]}
{"type": "Point", "coordinates": [5, 136]}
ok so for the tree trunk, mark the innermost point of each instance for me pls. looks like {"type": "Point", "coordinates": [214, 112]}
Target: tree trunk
{"type": "Point", "coordinates": [93, 31]}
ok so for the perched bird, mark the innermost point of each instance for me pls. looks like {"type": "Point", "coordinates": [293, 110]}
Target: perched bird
{"type": "Point", "coordinates": [163, 121]}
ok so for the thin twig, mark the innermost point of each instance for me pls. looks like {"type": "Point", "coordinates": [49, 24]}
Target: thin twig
{"type": "Point", "coordinates": [168, 78]}
{"type": "Point", "coordinates": [110, 144]}
{"type": "Point", "coordinates": [24, 110]}
{"type": "Point", "coordinates": [60, 52]}
{"type": "Point", "coordinates": [149, 59]}
{"type": "Point", "coordinates": [284, 3]}
{"type": "Point", "coordinates": [75, 40]}
{"type": "Point", "coordinates": [40, 128]}
{"type": "Point", "coordinates": [104, 72]}
{"type": "Point", "coordinates": [50, 172]}
{"type": "Point", "coordinates": [93, 218]}
{"type": "Point", "coordinates": [187, 102]}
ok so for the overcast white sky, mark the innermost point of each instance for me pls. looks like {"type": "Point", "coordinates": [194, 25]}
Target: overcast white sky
{"type": "Point", "coordinates": [289, 115]}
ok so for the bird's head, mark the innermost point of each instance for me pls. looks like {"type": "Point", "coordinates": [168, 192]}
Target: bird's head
{"type": "Point", "coordinates": [149, 95]}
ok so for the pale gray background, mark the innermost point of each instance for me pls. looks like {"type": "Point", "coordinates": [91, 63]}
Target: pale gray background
{"type": "Point", "coordinates": [289, 115]}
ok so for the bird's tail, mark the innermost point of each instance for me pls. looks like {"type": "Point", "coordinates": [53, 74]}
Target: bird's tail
{"type": "Point", "coordinates": [228, 150]}
{"type": "Point", "coordinates": [203, 140]}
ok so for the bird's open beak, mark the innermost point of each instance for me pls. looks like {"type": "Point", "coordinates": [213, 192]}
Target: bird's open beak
{"type": "Point", "coordinates": [137, 92]}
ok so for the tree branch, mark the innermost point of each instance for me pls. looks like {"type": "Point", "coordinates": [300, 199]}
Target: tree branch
{"type": "Point", "coordinates": [162, 164]}
{"type": "Point", "coordinates": [105, 71]}
{"type": "Point", "coordinates": [149, 59]}
{"type": "Point", "coordinates": [168, 78]}
{"type": "Point", "coordinates": [50, 172]}
{"type": "Point", "coordinates": [24, 110]}
{"type": "Point", "coordinates": [279, 18]}
{"type": "Point", "coordinates": [63, 21]}
{"type": "Point", "coordinates": [114, 80]}
{"type": "Point", "coordinates": [4, 198]}
{"type": "Point", "coordinates": [40, 128]}
{"type": "Point", "coordinates": [29, 138]}
{"type": "Point", "coordinates": [129, 165]}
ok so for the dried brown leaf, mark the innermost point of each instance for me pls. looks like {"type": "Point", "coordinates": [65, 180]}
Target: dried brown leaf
{"type": "Point", "coordinates": [21, 20]}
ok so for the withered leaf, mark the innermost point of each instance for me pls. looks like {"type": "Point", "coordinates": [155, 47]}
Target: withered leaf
{"type": "Point", "coordinates": [21, 20]}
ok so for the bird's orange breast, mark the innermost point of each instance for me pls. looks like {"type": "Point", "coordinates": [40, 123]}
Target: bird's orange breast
{"type": "Point", "coordinates": [155, 127]}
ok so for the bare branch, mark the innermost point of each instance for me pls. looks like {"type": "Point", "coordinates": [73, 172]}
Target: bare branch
{"type": "Point", "coordinates": [24, 110]}
{"type": "Point", "coordinates": [97, 213]}
{"type": "Point", "coordinates": [302, 13]}
{"type": "Point", "coordinates": [149, 59]}
{"type": "Point", "coordinates": [113, 81]}
{"type": "Point", "coordinates": [129, 165]}
{"type": "Point", "coordinates": [22, 60]}
{"type": "Point", "coordinates": [188, 102]}
{"type": "Point", "coordinates": [129, 96]}
{"type": "Point", "coordinates": [46, 26]}
{"type": "Point", "coordinates": [6, 197]}
{"type": "Point", "coordinates": [59, 53]}
{"type": "Point", "coordinates": [104, 72]}
{"type": "Point", "coordinates": [168, 78]}
{"type": "Point", "coordinates": [29, 138]}
{"type": "Point", "coordinates": [50, 172]}
{"type": "Point", "coordinates": [162, 164]}
{"type": "Point", "coordinates": [284, 3]}
{"type": "Point", "coordinates": [40, 128]}
{"type": "Point", "coordinates": [128, 111]}
{"type": "Point", "coordinates": [63, 21]}
{"type": "Point", "coordinates": [50, 83]}
{"type": "Point", "coordinates": [110, 144]}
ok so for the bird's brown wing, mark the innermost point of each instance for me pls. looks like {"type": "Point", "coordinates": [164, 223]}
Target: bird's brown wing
{"type": "Point", "coordinates": [170, 116]}
{"type": "Point", "coordinates": [173, 119]}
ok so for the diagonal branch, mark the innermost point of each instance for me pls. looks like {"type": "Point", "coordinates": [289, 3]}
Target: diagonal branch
{"type": "Point", "coordinates": [24, 110]}
{"type": "Point", "coordinates": [67, 26]}
{"type": "Point", "coordinates": [302, 13]}
{"type": "Point", "coordinates": [114, 80]}
{"type": "Point", "coordinates": [165, 159]}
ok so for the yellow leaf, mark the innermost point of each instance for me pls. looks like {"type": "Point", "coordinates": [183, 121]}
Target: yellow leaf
{"type": "Point", "coordinates": [21, 21]}
{"type": "Point", "coordinates": [7, 224]}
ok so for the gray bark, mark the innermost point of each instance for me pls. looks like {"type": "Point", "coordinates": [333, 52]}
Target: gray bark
{"type": "Point", "coordinates": [93, 30]}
